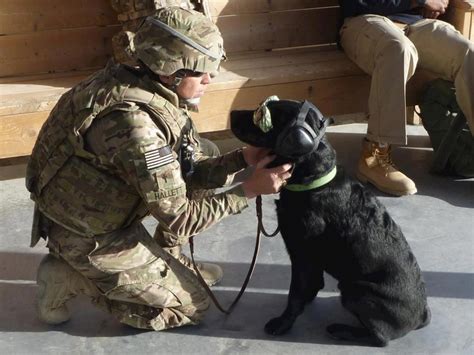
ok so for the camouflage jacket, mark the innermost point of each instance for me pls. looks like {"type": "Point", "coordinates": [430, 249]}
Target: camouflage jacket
{"type": "Point", "coordinates": [108, 155]}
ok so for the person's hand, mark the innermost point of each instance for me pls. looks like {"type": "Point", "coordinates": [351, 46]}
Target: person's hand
{"type": "Point", "coordinates": [265, 181]}
{"type": "Point", "coordinates": [253, 155]}
{"type": "Point", "coordinates": [433, 6]}
{"type": "Point", "coordinates": [430, 14]}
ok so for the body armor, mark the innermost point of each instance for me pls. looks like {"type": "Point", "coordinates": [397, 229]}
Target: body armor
{"type": "Point", "coordinates": [62, 173]}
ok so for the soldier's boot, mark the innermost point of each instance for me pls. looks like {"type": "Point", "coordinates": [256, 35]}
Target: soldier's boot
{"type": "Point", "coordinates": [58, 283]}
{"type": "Point", "coordinates": [375, 166]}
{"type": "Point", "coordinates": [211, 273]}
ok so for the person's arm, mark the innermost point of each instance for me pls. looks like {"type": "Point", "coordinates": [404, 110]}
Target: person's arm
{"type": "Point", "coordinates": [434, 8]}
{"type": "Point", "coordinates": [214, 172]}
{"type": "Point", "coordinates": [140, 154]}
{"type": "Point", "coordinates": [218, 171]}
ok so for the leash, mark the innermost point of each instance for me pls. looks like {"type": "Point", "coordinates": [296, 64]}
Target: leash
{"type": "Point", "coordinates": [260, 230]}
{"type": "Point", "coordinates": [260, 227]}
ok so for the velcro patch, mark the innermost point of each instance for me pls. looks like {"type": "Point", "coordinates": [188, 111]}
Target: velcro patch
{"type": "Point", "coordinates": [158, 157]}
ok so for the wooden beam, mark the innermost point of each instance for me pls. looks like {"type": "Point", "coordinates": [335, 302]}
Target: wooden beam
{"type": "Point", "coordinates": [23, 16]}
{"type": "Point", "coordinates": [271, 75]}
{"type": "Point", "coordinates": [35, 94]}
{"type": "Point", "coordinates": [329, 94]}
{"type": "Point", "coordinates": [267, 31]}
{"type": "Point", "coordinates": [18, 133]}
{"type": "Point", "coordinates": [463, 4]}
{"type": "Point", "coordinates": [232, 7]}
{"type": "Point", "coordinates": [56, 51]}
{"type": "Point", "coordinates": [461, 15]}
{"type": "Point", "coordinates": [265, 68]}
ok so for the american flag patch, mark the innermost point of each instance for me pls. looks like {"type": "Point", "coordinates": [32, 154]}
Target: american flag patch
{"type": "Point", "coordinates": [158, 157]}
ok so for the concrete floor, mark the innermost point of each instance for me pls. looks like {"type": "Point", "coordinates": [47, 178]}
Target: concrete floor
{"type": "Point", "coordinates": [437, 222]}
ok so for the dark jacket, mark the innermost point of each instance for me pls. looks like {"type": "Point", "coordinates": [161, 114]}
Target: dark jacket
{"type": "Point", "coordinates": [397, 10]}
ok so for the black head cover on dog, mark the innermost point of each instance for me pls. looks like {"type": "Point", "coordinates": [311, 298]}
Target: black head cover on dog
{"type": "Point", "coordinates": [297, 138]}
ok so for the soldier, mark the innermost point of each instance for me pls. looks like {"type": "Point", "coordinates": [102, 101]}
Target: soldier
{"type": "Point", "coordinates": [119, 146]}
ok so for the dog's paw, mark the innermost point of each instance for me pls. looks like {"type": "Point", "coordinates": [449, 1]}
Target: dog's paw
{"type": "Point", "coordinates": [278, 326]}
{"type": "Point", "coordinates": [355, 334]}
{"type": "Point", "coordinates": [340, 331]}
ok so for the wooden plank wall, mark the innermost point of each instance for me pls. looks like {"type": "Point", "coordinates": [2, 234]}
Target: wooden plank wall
{"type": "Point", "coordinates": [252, 25]}
{"type": "Point", "coordinates": [45, 36]}
{"type": "Point", "coordinates": [66, 38]}
{"type": "Point", "coordinates": [461, 14]}
{"type": "Point", "coordinates": [239, 7]}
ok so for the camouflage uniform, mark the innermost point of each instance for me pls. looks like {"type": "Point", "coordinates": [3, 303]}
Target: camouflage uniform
{"type": "Point", "coordinates": [107, 156]}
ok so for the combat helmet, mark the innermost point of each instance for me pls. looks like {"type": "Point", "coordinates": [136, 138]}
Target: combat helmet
{"type": "Point", "coordinates": [175, 38]}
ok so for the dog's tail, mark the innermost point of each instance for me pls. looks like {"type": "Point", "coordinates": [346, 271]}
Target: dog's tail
{"type": "Point", "coordinates": [355, 334]}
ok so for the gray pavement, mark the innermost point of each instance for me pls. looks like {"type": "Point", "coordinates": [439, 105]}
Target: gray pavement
{"type": "Point", "coordinates": [437, 222]}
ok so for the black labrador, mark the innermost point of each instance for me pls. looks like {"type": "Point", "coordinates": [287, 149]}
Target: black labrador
{"type": "Point", "coordinates": [331, 223]}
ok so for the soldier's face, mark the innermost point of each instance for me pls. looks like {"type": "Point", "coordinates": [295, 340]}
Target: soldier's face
{"type": "Point", "coordinates": [193, 87]}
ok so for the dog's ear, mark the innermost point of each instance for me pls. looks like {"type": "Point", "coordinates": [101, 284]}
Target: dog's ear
{"type": "Point", "coordinates": [295, 142]}
{"type": "Point", "coordinates": [303, 134]}
{"type": "Point", "coordinates": [297, 138]}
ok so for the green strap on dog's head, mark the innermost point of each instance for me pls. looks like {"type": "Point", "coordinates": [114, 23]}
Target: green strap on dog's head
{"type": "Point", "coordinates": [262, 116]}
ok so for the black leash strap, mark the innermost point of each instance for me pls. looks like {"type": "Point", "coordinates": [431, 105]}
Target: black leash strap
{"type": "Point", "coordinates": [260, 229]}
{"type": "Point", "coordinates": [260, 220]}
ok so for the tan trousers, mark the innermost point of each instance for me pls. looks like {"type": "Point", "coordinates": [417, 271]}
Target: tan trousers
{"type": "Point", "coordinates": [391, 54]}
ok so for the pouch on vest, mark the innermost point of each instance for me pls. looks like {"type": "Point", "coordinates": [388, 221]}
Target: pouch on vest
{"type": "Point", "coordinates": [452, 141]}
{"type": "Point", "coordinates": [88, 201]}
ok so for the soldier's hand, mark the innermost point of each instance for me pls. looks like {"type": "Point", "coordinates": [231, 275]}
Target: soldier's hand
{"type": "Point", "coordinates": [253, 155]}
{"type": "Point", "coordinates": [265, 181]}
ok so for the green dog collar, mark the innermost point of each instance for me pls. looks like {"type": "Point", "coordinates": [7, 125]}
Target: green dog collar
{"type": "Point", "coordinates": [315, 184]}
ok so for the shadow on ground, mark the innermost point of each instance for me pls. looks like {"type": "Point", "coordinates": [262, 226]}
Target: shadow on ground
{"type": "Point", "coordinates": [265, 299]}
{"type": "Point", "coordinates": [415, 161]}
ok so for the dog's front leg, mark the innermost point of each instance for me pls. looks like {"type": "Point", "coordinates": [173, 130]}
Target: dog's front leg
{"type": "Point", "coordinates": [305, 284]}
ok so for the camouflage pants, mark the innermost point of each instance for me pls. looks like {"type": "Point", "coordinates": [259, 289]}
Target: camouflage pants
{"type": "Point", "coordinates": [139, 288]}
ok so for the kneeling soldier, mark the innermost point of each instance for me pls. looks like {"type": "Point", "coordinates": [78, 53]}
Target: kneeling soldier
{"type": "Point", "coordinates": [119, 146]}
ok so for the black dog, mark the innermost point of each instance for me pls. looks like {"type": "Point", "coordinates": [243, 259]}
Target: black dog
{"type": "Point", "coordinates": [340, 228]}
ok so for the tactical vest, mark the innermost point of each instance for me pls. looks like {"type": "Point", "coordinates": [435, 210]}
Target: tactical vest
{"type": "Point", "coordinates": [72, 186]}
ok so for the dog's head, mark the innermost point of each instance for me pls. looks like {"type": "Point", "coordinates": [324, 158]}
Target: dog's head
{"type": "Point", "coordinates": [293, 130]}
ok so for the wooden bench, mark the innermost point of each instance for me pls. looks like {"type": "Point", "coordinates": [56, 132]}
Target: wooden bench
{"type": "Point", "coordinates": [282, 47]}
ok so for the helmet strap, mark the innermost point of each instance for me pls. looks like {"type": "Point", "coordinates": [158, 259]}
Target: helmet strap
{"type": "Point", "coordinates": [176, 82]}
{"type": "Point", "coordinates": [190, 104]}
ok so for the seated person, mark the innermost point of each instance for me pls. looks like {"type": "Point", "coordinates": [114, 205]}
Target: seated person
{"type": "Point", "coordinates": [389, 39]}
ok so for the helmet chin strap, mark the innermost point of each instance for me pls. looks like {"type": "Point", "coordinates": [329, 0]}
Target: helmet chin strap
{"type": "Point", "coordinates": [192, 101]}
{"type": "Point", "coordinates": [176, 82]}
{"type": "Point", "coordinates": [191, 104]}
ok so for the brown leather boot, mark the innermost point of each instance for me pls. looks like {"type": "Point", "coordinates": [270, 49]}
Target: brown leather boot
{"type": "Point", "coordinates": [211, 273]}
{"type": "Point", "coordinates": [376, 166]}
{"type": "Point", "coordinates": [58, 283]}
